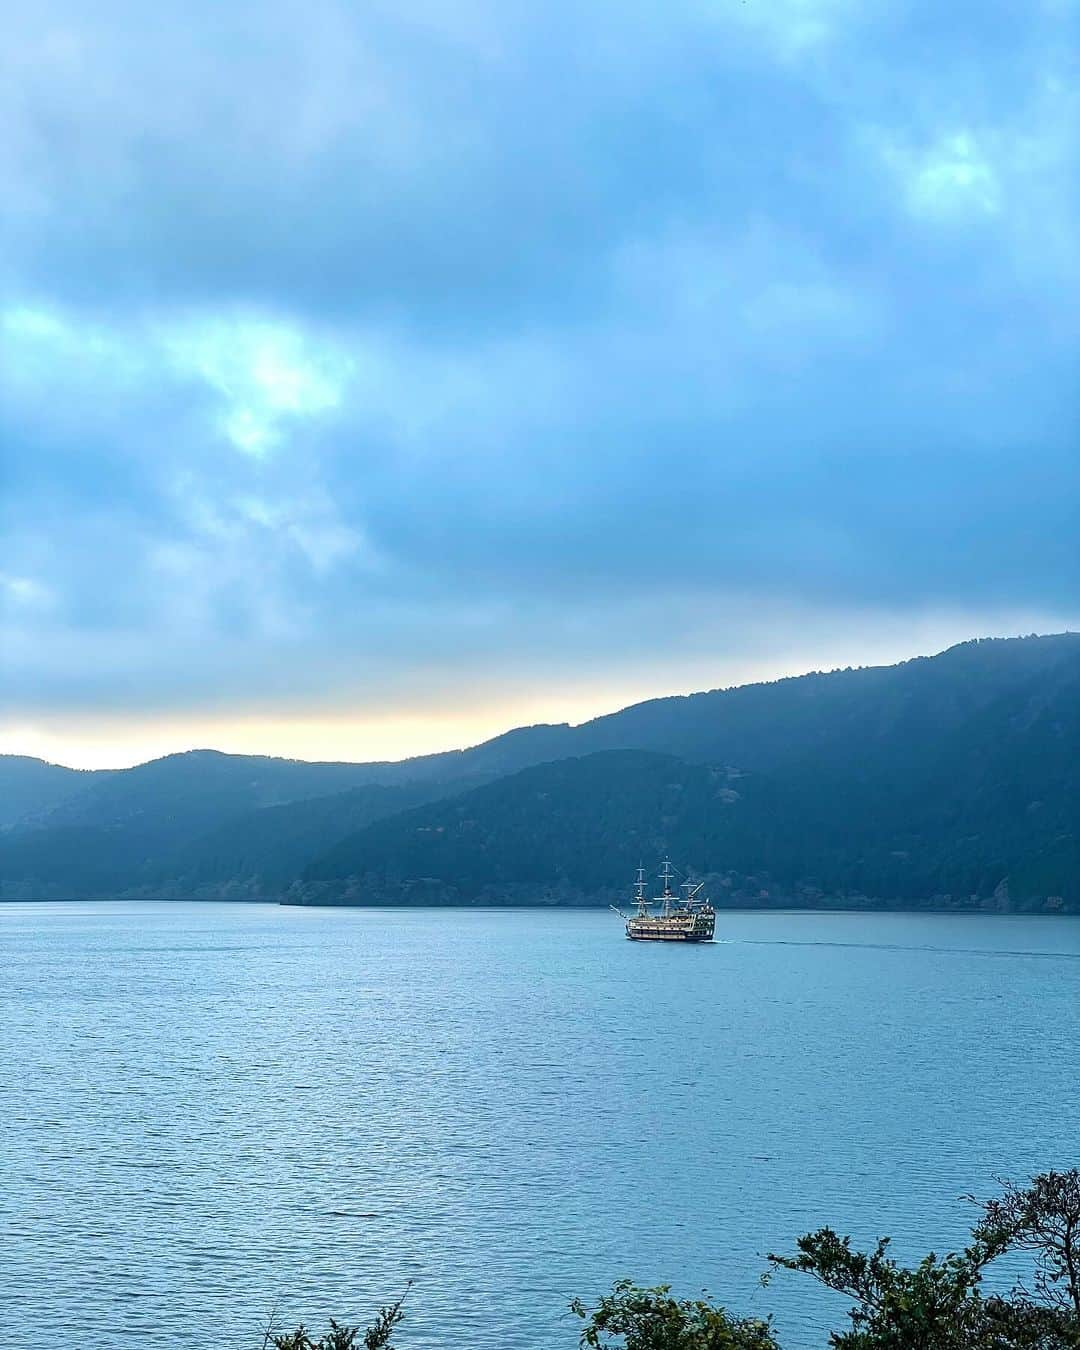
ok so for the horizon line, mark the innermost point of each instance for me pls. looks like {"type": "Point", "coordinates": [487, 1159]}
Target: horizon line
{"type": "Point", "coordinates": [508, 731]}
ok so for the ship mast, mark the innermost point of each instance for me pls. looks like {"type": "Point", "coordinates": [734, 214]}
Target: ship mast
{"type": "Point", "coordinates": [666, 873]}
{"type": "Point", "coordinates": [691, 890]}
{"type": "Point", "coordinates": [639, 891]}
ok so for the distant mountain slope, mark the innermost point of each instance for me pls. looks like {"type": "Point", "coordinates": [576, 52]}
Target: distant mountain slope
{"type": "Point", "coordinates": [264, 851]}
{"type": "Point", "coordinates": [986, 809]}
{"type": "Point", "coordinates": [579, 825]}
{"type": "Point", "coordinates": [844, 715]}
{"type": "Point", "coordinates": [180, 794]}
{"type": "Point", "coordinates": [249, 855]}
{"type": "Point", "coordinates": [760, 726]}
{"type": "Point", "coordinates": [31, 787]}
{"type": "Point", "coordinates": [953, 777]}
{"type": "Point", "coordinates": [954, 774]}
{"type": "Point", "coordinates": [198, 788]}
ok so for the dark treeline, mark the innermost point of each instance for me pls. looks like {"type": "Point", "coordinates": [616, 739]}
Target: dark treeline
{"type": "Point", "coordinates": [940, 1304]}
{"type": "Point", "coordinates": [951, 782]}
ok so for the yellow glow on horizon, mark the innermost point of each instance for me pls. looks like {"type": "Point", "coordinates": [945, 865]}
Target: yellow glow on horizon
{"type": "Point", "coordinates": [119, 742]}
{"type": "Point", "coordinates": [469, 712]}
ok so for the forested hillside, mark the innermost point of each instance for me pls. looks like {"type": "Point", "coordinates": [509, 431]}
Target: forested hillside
{"type": "Point", "coordinates": [948, 780]}
{"type": "Point", "coordinates": [31, 788]}
{"type": "Point", "coordinates": [574, 831]}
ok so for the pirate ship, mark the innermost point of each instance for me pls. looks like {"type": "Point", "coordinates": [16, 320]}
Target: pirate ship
{"type": "Point", "coordinates": [672, 916]}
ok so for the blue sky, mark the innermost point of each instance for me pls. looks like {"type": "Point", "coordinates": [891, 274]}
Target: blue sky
{"type": "Point", "coordinates": [374, 377]}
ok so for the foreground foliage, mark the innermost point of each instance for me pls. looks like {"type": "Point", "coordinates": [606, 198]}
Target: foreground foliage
{"type": "Point", "coordinates": [341, 1337]}
{"type": "Point", "coordinates": [938, 1304]}
{"type": "Point", "coordinates": [650, 1319]}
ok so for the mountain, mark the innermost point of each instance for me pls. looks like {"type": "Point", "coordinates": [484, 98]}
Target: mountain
{"type": "Point", "coordinates": [179, 793]}
{"type": "Point", "coordinates": [185, 826]}
{"type": "Point", "coordinates": [940, 779]}
{"type": "Point", "coordinates": [32, 788]}
{"type": "Point", "coordinates": [173, 796]}
{"type": "Point", "coordinates": [262, 852]}
{"type": "Point", "coordinates": [574, 831]}
{"type": "Point", "coordinates": [207, 822]}
{"type": "Point", "coordinates": [763, 727]}
{"type": "Point", "coordinates": [844, 715]}
{"type": "Point", "coordinates": [951, 775]}
{"type": "Point", "coordinates": [570, 829]}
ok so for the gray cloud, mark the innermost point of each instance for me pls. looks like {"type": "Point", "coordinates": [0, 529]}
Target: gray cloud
{"type": "Point", "coordinates": [336, 342]}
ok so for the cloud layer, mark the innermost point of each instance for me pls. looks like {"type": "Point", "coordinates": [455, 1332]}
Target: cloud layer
{"type": "Point", "coordinates": [347, 351]}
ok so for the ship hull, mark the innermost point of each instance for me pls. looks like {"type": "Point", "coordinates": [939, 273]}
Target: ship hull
{"type": "Point", "coordinates": [670, 937]}
{"type": "Point", "coordinates": [700, 929]}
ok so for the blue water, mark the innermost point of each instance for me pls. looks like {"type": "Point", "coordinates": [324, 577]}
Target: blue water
{"type": "Point", "coordinates": [210, 1111]}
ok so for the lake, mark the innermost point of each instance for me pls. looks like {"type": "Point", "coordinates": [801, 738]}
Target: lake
{"type": "Point", "coordinates": [210, 1111]}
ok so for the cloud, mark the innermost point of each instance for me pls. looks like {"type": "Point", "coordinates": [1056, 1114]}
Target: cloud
{"type": "Point", "coordinates": [952, 178]}
{"type": "Point", "coordinates": [265, 374]}
{"type": "Point", "coordinates": [796, 29]}
{"type": "Point", "coordinates": [341, 345]}
{"type": "Point", "coordinates": [25, 593]}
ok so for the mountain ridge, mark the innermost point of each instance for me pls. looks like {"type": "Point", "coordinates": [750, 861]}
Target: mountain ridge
{"type": "Point", "coordinates": [418, 764]}
{"type": "Point", "coordinates": [932, 744]}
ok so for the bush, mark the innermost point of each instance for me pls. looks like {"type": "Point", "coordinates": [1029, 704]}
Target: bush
{"type": "Point", "coordinates": [938, 1304]}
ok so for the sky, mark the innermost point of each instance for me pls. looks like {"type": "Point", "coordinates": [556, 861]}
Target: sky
{"type": "Point", "coordinates": [376, 377]}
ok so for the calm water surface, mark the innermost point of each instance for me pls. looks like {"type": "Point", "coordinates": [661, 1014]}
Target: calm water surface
{"type": "Point", "coordinates": [209, 1110]}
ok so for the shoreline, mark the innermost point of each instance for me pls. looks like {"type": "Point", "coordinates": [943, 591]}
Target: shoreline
{"type": "Point", "coordinates": [780, 907]}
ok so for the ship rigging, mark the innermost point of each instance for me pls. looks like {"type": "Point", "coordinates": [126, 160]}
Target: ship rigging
{"type": "Point", "coordinates": [669, 917]}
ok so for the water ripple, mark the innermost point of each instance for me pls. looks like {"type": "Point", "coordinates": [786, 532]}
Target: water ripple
{"type": "Point", "coordinates": [211, 1111]}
